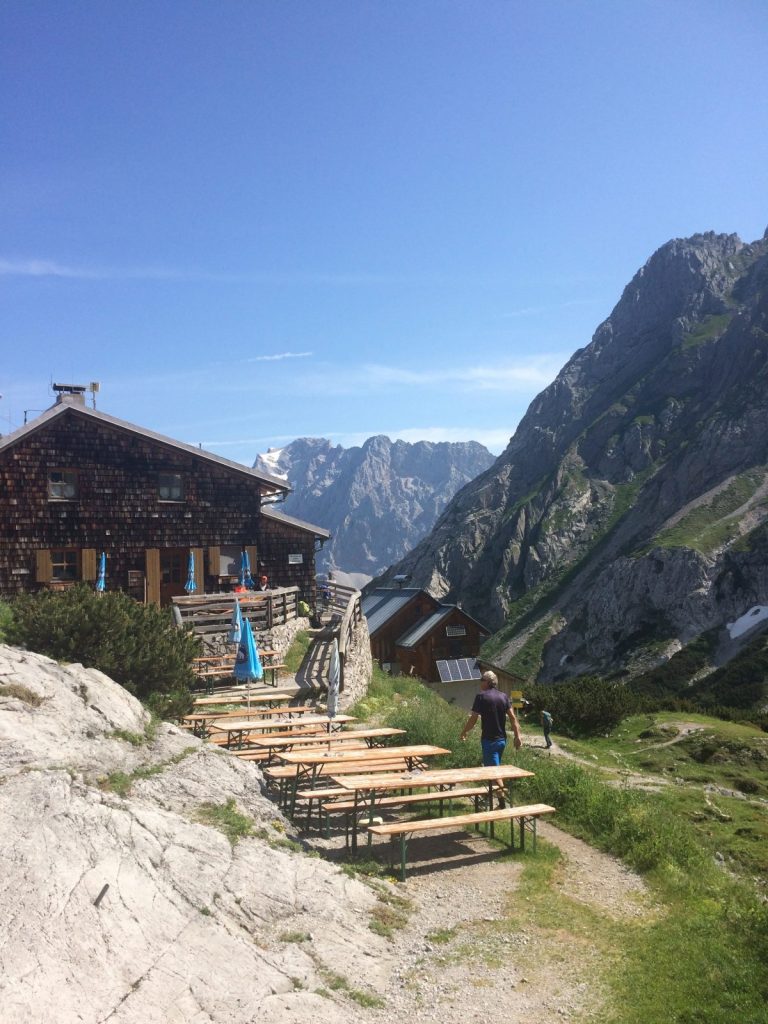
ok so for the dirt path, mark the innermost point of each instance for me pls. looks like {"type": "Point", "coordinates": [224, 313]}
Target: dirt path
{"type": "Point", "coordinates": [472, 948]}
{"type": "Point", "coordinates": [469, 950]}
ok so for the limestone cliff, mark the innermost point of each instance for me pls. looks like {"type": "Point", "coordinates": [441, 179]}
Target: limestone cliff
{"type": "Point", "coordinates": [192, 926]}
{"type": "Point", "coordinates": [630, 503]}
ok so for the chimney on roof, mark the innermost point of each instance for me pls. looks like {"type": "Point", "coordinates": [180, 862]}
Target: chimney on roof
{"type": "Point", "coordinates": [74, 394]}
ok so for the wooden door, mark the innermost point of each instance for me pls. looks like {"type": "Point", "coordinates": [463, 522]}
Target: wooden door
{"type": "Point", "coordinates": [173, 573]}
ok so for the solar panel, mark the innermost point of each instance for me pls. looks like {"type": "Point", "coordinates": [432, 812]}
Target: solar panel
{"type": "Point", "coordinates": [458, 670]}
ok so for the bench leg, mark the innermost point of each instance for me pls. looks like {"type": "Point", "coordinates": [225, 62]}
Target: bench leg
{"type": "Point", "coordinates": [403, 855]}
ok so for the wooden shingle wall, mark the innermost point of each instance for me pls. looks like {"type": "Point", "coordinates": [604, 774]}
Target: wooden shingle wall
{"type": "Point", "coordinates": [117, 509]}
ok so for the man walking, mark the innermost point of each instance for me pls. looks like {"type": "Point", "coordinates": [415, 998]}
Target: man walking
{"type": "Point", "coordinates": [493, 709]}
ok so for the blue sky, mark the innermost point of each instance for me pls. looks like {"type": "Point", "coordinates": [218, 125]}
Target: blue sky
{"type": "Point", "coordinates": [253, 221]}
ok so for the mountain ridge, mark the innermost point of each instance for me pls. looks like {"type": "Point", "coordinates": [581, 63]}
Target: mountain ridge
{"type": "Point", "coordinates": [665, 404]}
{"type": "Point", "coordinates": [377, 499]}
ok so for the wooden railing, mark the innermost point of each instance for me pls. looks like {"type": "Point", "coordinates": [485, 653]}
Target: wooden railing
{"type": "Point", "coordinates": [340, 594]}
{"type": "Point", "coordinates": [212, 613]}
{"type": "Point", "coordinates": [350, 620]}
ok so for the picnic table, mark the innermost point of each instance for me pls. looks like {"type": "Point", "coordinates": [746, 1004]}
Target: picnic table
{"type": "Point", "coordinates": [311, 765]}
{"type": "Point", "coordinates": [241, 697]}
{"type": "Point", "coordinates": [366, 788]}
{"type": "Point", "coordinates": [239, 727]}
{"type": "Point", "coordinates": [373, 738]}
{"type": "Point", "coordinates": [283, 714]}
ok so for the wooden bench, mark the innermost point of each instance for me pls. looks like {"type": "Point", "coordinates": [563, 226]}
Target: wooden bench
{"type": "Point", "coordinates": [275, 670]}
{"type": "Point", "coordinates": [285, 774]}
{"type": "Point", "coordinates": [348, 807]}
{"type": "Point", "coordinates": [527, 815]}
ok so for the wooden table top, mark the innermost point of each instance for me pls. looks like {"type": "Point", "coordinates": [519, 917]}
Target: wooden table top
{"type": "Point", "coordinates": [333, 737]}
{"type": "Point", "coordinates": [241, 724]}
{"type": "Point", "coordinates": [241, 697]}
{"type": "Point", "coordinates": [439, 777]}
{"type": "Point", "coordinates": [369, 754]}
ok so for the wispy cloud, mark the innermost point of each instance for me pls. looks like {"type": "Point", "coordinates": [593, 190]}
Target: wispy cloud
{"type": "Point", "coordinates": [45, 268]}
{"type": "Point", "coordinates": [278, 356]}
{"type": "Point", "coordinates": [522, 376]}
{"type": "Point", "coordinates": [537, 310]}
{"type": "Point", "coordinates": [42, 268]}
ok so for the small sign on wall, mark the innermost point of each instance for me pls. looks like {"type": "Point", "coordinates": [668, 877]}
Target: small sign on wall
{"type": "Point", "coordinates": [295, 559]}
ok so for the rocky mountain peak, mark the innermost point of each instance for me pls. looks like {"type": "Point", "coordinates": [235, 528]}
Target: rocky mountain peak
{"type": "Point", "coordinates": [378, 499]}
{"type": "Point", "coordinates": [663, 411]}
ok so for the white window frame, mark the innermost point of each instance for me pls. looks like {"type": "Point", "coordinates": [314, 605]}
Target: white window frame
{"type": "Point", "coordinates": [63, 485]}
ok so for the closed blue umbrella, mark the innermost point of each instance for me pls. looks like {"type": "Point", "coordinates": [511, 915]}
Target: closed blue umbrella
{"type": "Point", "coordinates": [245, 578]}
{"type": "Point", "coordinates": [101, 578]}
{"type": "Point", "coordinates": [247, 662]}
{"type": "Point", "coordinates": [190, 586]}
{"type": "Point", "coordinates": [236, 625]}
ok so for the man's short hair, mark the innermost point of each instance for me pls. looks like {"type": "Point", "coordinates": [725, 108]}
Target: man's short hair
{"type": "Point", "coordinates": [489, 678]}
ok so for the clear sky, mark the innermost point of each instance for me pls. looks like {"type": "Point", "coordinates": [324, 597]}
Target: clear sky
{"type": "Point", "coordinates": [255, 220]}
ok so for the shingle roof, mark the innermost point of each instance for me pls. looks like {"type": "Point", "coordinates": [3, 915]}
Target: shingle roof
{"type": "Point", "coordinates": [82, 410]}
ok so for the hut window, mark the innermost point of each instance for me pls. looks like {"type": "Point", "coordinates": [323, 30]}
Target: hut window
{"type": "Point", "coordinates": [170, 487]}
{"type": "Point", "coordinates": [62, 484]}
{"type": "Point", "coordinates": [64, 564]}
{"type": "Point", "coordinates": [455, 630]}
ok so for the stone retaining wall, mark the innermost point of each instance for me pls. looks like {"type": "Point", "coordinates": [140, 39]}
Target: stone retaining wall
{"type": "Point", "coordinates": [358, 666]}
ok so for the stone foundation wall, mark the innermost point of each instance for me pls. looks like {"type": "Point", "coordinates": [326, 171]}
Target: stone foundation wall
{"type": "Point", "coordinates": [358, 667]}
{"type": "Point", "coordinates": [278, 639]}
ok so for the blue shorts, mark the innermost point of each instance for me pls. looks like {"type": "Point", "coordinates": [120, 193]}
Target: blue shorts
{"type": "Point", "coordinates": [492, 751]}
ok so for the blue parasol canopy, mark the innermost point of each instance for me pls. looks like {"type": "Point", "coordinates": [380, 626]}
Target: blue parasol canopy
{"type": "Point", "coordinates": [236, 625]}
{"type": "Point", "coordinates": [247, 663]}
{"type": "Point", "coordinates": [245, 578]}
{"type": "Point", "coordinates": [101, 578]}
{"type": "Point", "coordinates": [190, 586]}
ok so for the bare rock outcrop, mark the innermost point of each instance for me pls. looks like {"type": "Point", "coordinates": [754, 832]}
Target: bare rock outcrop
{"type": "Point", "coordinates": [192, 925]}
{"type": "Point", "coordinates": [630, 505]}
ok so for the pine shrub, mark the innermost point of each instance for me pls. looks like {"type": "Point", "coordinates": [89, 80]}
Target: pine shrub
{"type": "Point", "coordinates": [138, 646]}
{"type": "Point", "coordinates": [586, 706]}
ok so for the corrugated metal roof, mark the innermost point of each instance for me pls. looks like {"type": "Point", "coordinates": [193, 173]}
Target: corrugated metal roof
{"type": "Point", "coordinates": [82, 410]}
{"type": "Point", "coordinates": [412, 637]}
{"type": "Point", "coordinates": [383, 604]}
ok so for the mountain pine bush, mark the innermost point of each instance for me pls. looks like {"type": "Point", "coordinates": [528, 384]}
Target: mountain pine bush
{"type": "Point", "coordinates": [138, 646]}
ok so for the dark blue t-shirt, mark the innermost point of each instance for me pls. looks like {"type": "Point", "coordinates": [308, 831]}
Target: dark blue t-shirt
{"type": "Point", "coordinates": [492, 706]}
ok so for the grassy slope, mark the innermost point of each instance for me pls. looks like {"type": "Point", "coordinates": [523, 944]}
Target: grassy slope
{"type": "Point", "coordinates": [704, 958]}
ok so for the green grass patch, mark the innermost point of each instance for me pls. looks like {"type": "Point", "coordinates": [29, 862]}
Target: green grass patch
{"type": "Point", "coordinates": [295, 937]}
{"type": "Point", "coordinates": [708, 526]}
{"type": "Point", "coordinates": [122, 782]}
{"type": "Point", "coordinates": [389, 915]}
{"type": "Point", "coordinates": [22, 693]}
{"type": "Point", "coordinates": [710, 920]}
{"type": "Point", "coordinates": [338, 983]}
{"type": "Point", "coordinates": [296, 653]}
{"type": "Point", "coordinates": [527, 661]}
{"type": "Point", "coordinates": [227, 819]}
{"type": "Point", "coordinates": [710, 329]}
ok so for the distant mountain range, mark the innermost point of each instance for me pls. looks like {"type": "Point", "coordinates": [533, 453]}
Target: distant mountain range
{"type": "Point", "coordinates": [377, 500]}
{"type": "Point", "coordinates": [628, 518]}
